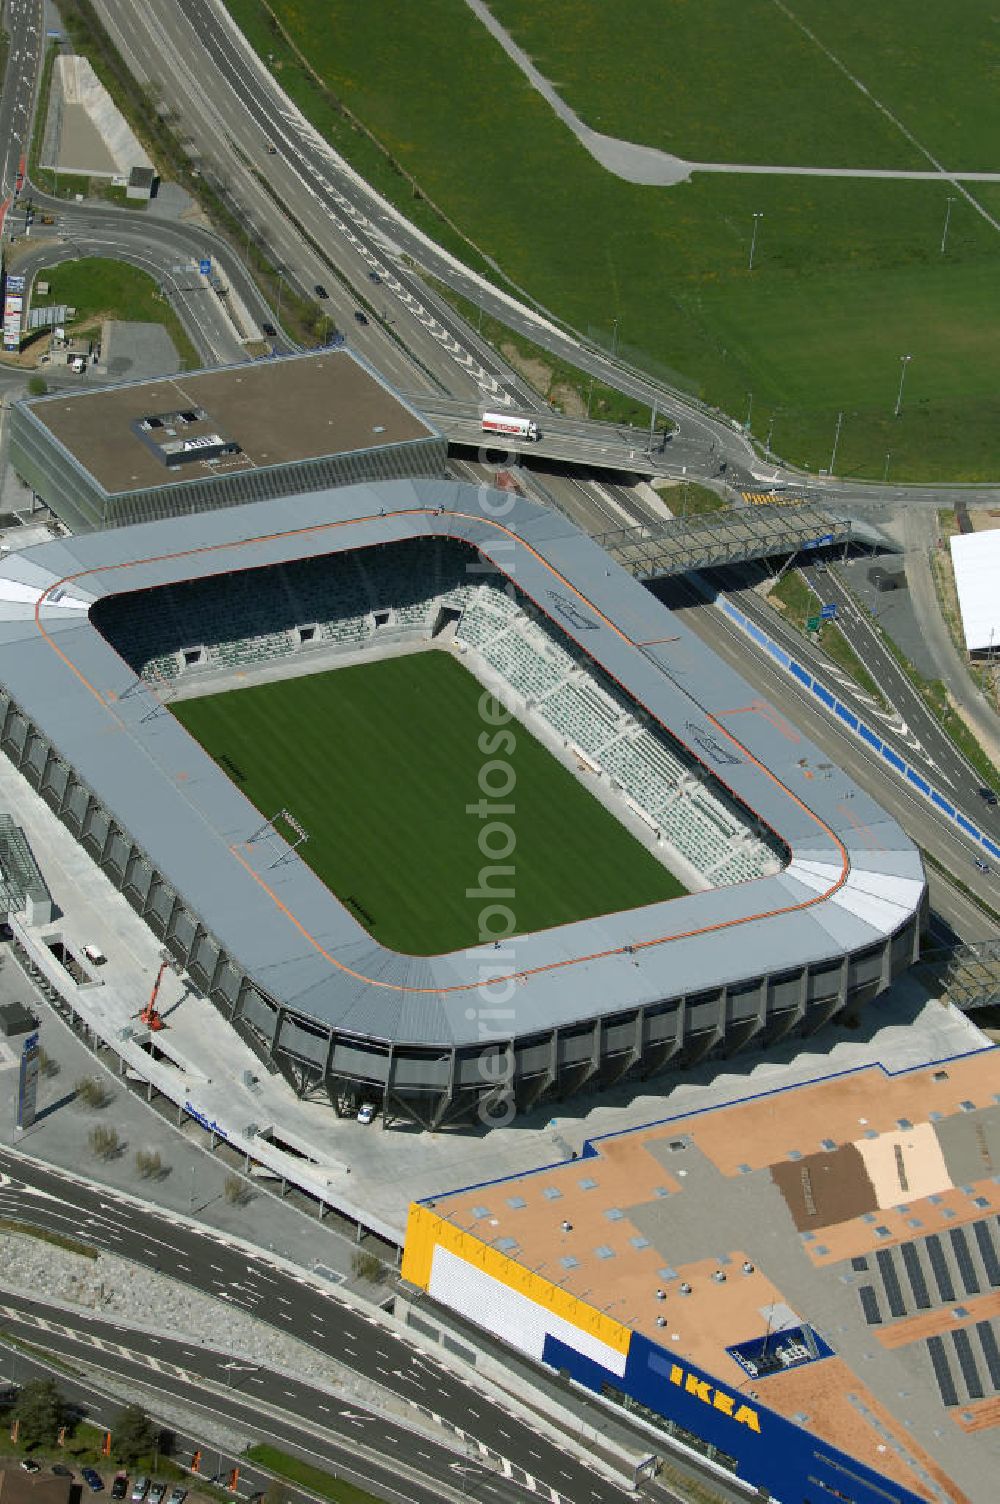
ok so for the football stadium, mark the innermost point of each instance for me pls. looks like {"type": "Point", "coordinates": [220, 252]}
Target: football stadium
{"type": "Point", "coordinates": [437, 805]}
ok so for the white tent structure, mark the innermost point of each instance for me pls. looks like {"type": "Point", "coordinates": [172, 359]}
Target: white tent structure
{"type": "Point", "coordinates": [976, 558]}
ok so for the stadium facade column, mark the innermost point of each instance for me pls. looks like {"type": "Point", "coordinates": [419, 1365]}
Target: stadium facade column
{"type": "Point", "coordinates": [823, 1013]}
{"type": "Point", "coordinates": [279, 1018]}
{"type": "Point", "coordinates": [530, 1094]}
{"type": "Point", "coordinates": [169, 934]}
{"type": "Point", "coordinates": [221, 962]}
{"type": "Point", "coordinates": [740, 1035]}
{"type": "Point", "coordinates": [199, 934]}
{"type": "Point", "coordinates": [781, 1024]}
{"type": "Point", "coordinates": [660, 1055]}
{"type": "Point", "coordinates": [447, 1097]}
{"type": "Point", "coordinates": [575, 1077]}
{"type": "Point", "coordinates": [631, 1055]}
{"type": "Point", "coordinates": [698, 1051]}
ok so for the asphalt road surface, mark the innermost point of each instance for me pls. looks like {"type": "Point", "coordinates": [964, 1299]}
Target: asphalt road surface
{"type": "Point", "coordinates": [94, 1403]}
{"type": "Point", "coordinates": [920, 740]}
{"type": "Point", "coordinates": [17, 97]}
{"type": "Point", "coordinates": [393, 1461]}
{"type": "Point", "coordinates": [293, 1305]}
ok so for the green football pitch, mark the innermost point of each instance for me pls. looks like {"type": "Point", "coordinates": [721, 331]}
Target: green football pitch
{"type": "Point", "coordinates": [380, 763]}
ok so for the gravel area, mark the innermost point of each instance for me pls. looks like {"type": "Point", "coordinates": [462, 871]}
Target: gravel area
{"type": "Point", "coordinates": [120, 1290]}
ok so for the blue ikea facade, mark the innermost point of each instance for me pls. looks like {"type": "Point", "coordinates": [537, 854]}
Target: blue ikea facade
{"type": "Point", "coordinates": [760, 1446]}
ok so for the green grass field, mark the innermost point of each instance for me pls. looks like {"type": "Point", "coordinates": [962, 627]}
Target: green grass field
{"type": "Point", "coordinates": [379, 763]}
{"type": "Point", "coordinates": [99, 289]}
{"type": "Point", "coordinates": [848, 275]}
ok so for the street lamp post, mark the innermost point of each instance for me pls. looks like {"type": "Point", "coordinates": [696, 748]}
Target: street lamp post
{"type": "Point", "coordinates": [614, 337]}
{"type": "Point", "coordinates": [758, 216]}
{"type": "Point", "coordinates": [885, 472]}
{"type": "Point", "coordinates": [749, 410]}
{"type": "Point", "coordinates": [947, 221]}
{"type": "Point", "coordinates": [770, 431]}
{"type": "Point", "coordinates": [904, 361]}
{"type": "Point", "coordinates": [836, 441]}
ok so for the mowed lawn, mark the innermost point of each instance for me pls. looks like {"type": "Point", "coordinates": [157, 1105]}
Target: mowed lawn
{"type": "Point", "coordinates": [379, 763]}
{"type": "Point", "coordinates": [100, 289]}
{"type": "Point", "coordinates": [848, 274]}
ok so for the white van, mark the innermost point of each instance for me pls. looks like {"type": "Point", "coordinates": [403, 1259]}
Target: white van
{"type": "Point", "coordinates": [94, 955]}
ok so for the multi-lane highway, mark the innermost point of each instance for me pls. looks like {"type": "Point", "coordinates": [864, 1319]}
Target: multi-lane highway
{"type": "Point", "coordinates": [910, 728]}
{"type": "Point", "coordinates": [23, 26]}
{"type": "Point", "coordinates": [395, 1461]}
{"type": "Point", "coordinates": [360, 1339]}
{"type": "Point", "coordinates": [293, 198]}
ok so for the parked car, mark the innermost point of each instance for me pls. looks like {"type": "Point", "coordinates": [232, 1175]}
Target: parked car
{"type": "Point", "coordinates": [119, 1487]}
{"type": "Point", "coordinates": [366, 1112]}
{"type": "Point", "coordinates": [93, 1480]}
{"type": "Point", "coordinates": [361, 318]}
{"type": "Point", "coordinates": [270, 331]}
{"type": "Point", "coordinates": [177, 1494]}
{"type": "Point", "coordinates": [139, 1488]}
{"type": "Point", "coordinates": [60, 1471]}
{"type": "Point", "coordinates": [321, 291]}
{"type": "Point", "coordinates": [155, 1495]}
{"type": "Point", "coordinates": [29, 1465]}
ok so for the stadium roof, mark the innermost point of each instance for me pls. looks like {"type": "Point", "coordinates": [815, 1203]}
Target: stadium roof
{"type": "Point", "coordinates": [854, 878]}
{"type": "Point", "coordinates": [976, 557]}
{"type": "Point", "coordinates": [274, 411]}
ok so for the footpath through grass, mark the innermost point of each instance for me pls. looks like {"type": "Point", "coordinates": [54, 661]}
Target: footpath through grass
{"type": "Point", "coordinates": [311, 1478]}
{"type": "Point", "coordinates": [848, 274]}
{"type": "Point", "coordinates": [100, 289]}
{"type": "Point", "coordinates": [382, 764]}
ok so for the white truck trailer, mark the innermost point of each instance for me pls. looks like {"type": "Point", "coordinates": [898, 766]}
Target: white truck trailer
{"type": "Point", "coordinates": [515, 428]}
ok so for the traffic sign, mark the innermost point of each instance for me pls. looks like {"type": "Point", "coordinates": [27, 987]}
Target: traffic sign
{"type": "Point", "coordinates": [812, 623]}
{"type": "Point", "coordinates": [829, 611]}
{"type": "Point", "coordinates": [205, 265]}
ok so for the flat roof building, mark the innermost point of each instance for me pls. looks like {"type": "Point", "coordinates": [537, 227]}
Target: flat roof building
{"type": "Point", "coordinates": [110, 456]}
{"type": "Point", "coordinates": [976, 561]}
{"type": "Point", "coordinates": [804, 1285]}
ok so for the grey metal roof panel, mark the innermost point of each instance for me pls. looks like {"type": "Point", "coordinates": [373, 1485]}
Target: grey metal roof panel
{"type": "Point", "coordinates": [282, 924]}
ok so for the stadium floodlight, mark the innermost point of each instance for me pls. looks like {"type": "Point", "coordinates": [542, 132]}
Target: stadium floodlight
{"type": "Point", "coordinates": [277, 840]}
{"type": "Point", "coordinates": [163, 690]}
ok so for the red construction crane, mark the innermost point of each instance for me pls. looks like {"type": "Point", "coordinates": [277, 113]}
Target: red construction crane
{"type": "Point", "coordinates": [149, 1015]}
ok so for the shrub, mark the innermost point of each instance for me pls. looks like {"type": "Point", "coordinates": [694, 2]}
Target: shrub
{"type": "Point", "coordinates": [104, 1142]}
{"type": "Point", "coordinates": [92, 1092]}
{"type": "Point", "coordinates": [368, 1266]}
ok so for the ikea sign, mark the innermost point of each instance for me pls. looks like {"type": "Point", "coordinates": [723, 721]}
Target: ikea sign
{"type": "Point", "coordinates": [718, 1399]}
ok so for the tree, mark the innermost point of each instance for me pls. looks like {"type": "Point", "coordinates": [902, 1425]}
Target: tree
{"type": "Point", "coordinates": [132, 1434]}
{"type": "Point", "coordinates": [39, 1409]}
{"type": "Point", "coordinates": [37, 386]}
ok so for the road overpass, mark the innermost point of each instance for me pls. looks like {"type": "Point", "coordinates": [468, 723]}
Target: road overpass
{"type": "Point", "coordinates": [731, 537]}
{"type": "Point", "coordinates": [574, 441]}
